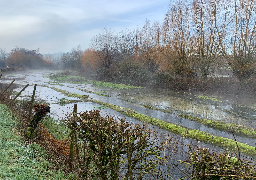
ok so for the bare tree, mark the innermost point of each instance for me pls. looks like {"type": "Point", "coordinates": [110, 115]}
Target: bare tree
{"type": "Point", "coordinates": [106, 47]}
{"type": "Point", "coordinates": [205, 37]}
{"type": "Point", "coordinates": [178, 41]}
{"type": "Point", "coordinates": [238, 37]}
{"type": "Point", "coordinates": [72, 59]}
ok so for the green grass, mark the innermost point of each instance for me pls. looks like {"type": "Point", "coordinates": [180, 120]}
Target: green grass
{"type": "Point", "coordinates": [237, 129]}
{"type": "Point", "coordinates": [113, 85]}
{"type": "Point", "coordinates": [226, 143]}
{"type": "Point", "coordinates": [18, 161]}
{"type": "Point", "coordinates": [99, 93]}
{"type": "Point", "coordinates": [55, 83]}
{"type": "Point", "coordinates": [228, 127]}
{"type": "Point", "coordinates": [57, 130]}
{"type": "Point", "coordinates": [209, 98]}
{"type": "Point", "coordinates": [185, 132]}
{"type": "Point", "coordinates": [15, 93]}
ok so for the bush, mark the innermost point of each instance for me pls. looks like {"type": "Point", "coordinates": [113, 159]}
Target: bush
{"type": "Point", "coordinates": [219, 165]}
{"type": "Point", "coordinates": [108, 148]}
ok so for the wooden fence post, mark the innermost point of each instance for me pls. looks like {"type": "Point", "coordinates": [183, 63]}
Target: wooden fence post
{"type": "Point", "coordinates": [72, 136]}
{"type": "Point", "coordinates": [18, 94]}
{"type": "Point", "coordinates": [32, 102]}
{"type": "Point", "coordinates": [8, 87]}
{"type": "Point", "coordinates": [2, 93]}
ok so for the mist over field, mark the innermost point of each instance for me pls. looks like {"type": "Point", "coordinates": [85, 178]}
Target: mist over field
{"type": "Point", "coordinates": [191, 75]}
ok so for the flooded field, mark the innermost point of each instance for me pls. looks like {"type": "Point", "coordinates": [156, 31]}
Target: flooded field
{"type": "Point", "coordinates": [160, 104]}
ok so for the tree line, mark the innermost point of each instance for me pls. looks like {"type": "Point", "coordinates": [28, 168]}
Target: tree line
{"type": "Point", "coordinates": [24, 58]}
{"type": "Point", "coordinates": [194, 40]}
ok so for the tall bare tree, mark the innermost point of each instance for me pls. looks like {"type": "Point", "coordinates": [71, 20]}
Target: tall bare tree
{"type": "Point", "coordinates": [238, 37]}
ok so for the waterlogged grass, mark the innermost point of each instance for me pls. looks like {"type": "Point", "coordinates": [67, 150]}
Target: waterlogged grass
{"type": "Point", "coordinates": [209, 98]}
{"type": "Point", "coordinates": [15, 93]}
{"type": "Point", "coordinates": [70, 94]}
{"type": "Point", "coordinates": [65, 78]}
{"type": "Point", "coordinates": [229, 144]}
{"type": "Point", "coordinates": [113, 85]}
{"type": "Point", "coordinates": [99, 93]}
{"type": "Point", "coordinates": [18, 161]}
{"type": "Point", "coordinates": [228, 127]}
{"type": "Point", "coordinates": [185, 132]}
{"type": "Point", "coordinates": [154, 108]}
{"type": "Point", "coordinates": [241, 111]}
{"type": "Point", "coordinates": [64, 101]}
{"type": "Point", "coordinates": [81, 80]}
{"type": "Point", "coordinates": [55, 83]}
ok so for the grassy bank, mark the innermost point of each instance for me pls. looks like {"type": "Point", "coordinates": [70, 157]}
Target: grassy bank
{"type": "Point", "coordinates": [19, 161]}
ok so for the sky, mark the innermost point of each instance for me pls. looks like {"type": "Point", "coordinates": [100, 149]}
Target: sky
{"type": "Point", "coordinates": [56, 26]}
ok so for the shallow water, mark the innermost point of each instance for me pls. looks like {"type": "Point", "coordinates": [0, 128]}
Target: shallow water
{"type": "Point", "coordinates": [177, 103]}
{"type": "Point", "coordinates": [134, 99]}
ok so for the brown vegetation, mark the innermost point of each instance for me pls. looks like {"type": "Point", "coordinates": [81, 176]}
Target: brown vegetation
{"type": "Point", "coordinates": [195, 40]}
{"type": "Point", "coordinates": [21, 57]}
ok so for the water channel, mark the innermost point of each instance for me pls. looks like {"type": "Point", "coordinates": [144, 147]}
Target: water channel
{"type": "Point", "coordinates": [136, 99]}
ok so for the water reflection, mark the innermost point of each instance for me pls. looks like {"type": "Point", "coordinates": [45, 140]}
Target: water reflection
{"type": "Point", "coordinates": [134, 99]}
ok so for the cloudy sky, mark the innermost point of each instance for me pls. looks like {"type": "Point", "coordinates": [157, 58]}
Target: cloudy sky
{"type": "Point", "coordinates": [59, 25]}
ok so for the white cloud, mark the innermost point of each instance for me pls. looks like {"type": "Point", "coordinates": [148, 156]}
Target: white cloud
{"type": "Point", "coordinates": [59, 25]}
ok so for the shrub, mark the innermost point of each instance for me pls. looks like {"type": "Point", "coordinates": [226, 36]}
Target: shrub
{"type": "Point", "coordinates": [219, 165]}
{"type": "Point", "coordinates": [108, 148]}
